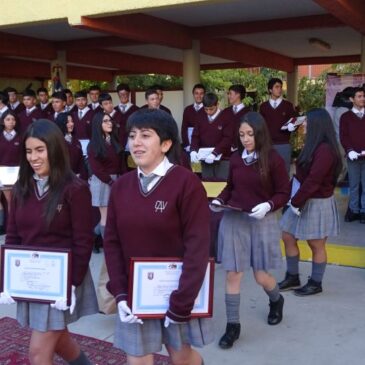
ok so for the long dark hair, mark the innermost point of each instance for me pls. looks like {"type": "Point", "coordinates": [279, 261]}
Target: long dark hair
{"type": "Point", "coordinates": [97, 142]}
{"type": "Point", "coordinates": [60, 171]}
{"type": "Point", "coordinates": [163, 124]}
{"type": "Point", "coordinates": [263, 143]}
{"type": "Point", "coordinates": [2, 123]}
{"type": "Point", "coordinates": [62, 120]}
{"type": "Point", "coordinates": [320, 129]}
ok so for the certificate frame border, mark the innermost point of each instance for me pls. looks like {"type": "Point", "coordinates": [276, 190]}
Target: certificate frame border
{"type": "Point", "coordinates": [133, 260]}
{"type": "Point", "coordinates": [41, 249]}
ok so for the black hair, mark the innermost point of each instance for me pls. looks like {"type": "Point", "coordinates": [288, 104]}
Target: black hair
{"type": "Point", "coordinates": [67, 91]}
{"type": "Point", "coordinates": [104, 97]}
{"type": "Point", "coordinates": [163, 124]}
{"type": "Point", "coordinates": [342, 98]}
{"type": "Point", "coordinates": [150, 92]}
{"type": "Point", "coordinates": [80, 94]}
{"type": "Point", "coordinates": [121, 87]}
{"type": "Point", "coordinates": [10, 89]}
{"type": "Point", "coordinates": [94, 87]}
{"type": "Point", "coordinates": [58, 157]}
{"type": "Point", "coordinates": [97, 141]}
{"type": "Point", "coordinates": [355, 90]}
{"type": "Point", "coordinates": [42, 90]}
{"type": "Point", "coordinates": [239, 89]}
{"type": "Point", "coordinates": [273, 81]}
{"type": "Point", "coordinates": [157, 87]}
{"type": "Point", "coordinates": [210, 99]}
{"type": "Point", "coordinates": [61, 122]}
{"type": "Point", "coordinates": [4, 97]}
{"type": "Point", "coordinates": [320, 129]}
{"type": "Point", "coordinates": [198, 86]}
{"type": "Point", "coordinates": [29, 92]}
{"type": "Point", "coordinates": [59, 95]}
{"type": "Point", "coordinates": [4, 115]}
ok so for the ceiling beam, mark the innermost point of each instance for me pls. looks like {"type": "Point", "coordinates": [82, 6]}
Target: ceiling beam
{"type": "Point", "coordinates": [247, 54]}
{"type": "Point", "coordinates": [222, 66]}
{"type": "Point", "coordinates": [142, 28]}
{"type": "Point", "coordinates": [89, 73]}
{"type": "Point", "coordinates": [24, 69]}
{"type": "Point", "coordinates": [124, 61]}
{"type": "Point", "coordinates": [350, 12]}
{"type": "Point", "coordinates": [271, 25]}
{"type": "Point", "coordinates": [326, 60]}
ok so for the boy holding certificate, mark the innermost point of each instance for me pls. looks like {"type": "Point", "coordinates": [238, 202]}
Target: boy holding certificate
{"type": "Point", "coordinates": [51, 209]}
{"type": "Point", "coordinates": [158, 210]}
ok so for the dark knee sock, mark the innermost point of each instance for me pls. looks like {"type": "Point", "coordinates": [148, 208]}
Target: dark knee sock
{"type": "Point", "coordinates": [2, 217]}
{"type": "Point", "coordinates": [292, 264]}
{"type": "Point", "coordinates": [318, 270]}
{"type": "Point", "coordinates": [80, 360]}
{"type": "Point", "coordinates": [273, 294]}
{"type": "Point", "coordinates": [102, 231]}
{"type": "Point", "coordinates": [233, 307]}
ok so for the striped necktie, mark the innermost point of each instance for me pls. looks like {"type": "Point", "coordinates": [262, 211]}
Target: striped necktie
{"type": "Point", "coordinates": [145, 181]}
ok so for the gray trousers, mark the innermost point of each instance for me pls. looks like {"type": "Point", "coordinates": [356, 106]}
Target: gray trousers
{"type": "Point", "coordinates": [356, 171]}
{"type": "Point", "coordinates": [284, 150]}
{"type": "Point", "coordinates": [217, 170]}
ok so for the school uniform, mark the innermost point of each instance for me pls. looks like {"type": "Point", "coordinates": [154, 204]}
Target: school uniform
{"type": "Point", "coordinates": [53, 116]}
{"type": "Point", "coordinates": [352, 137]}
{"type": "Point", "coordinates": [96, 108]}
{"type": "Point", "coordinates": [161, 107]}
{"type": "Point", "coordinates": [76, 157]}
{"type": "Point", "coordinates": [169, 219]}
{"type": "Point", "coordinates": [82, 119]}
{"type": "Point", "coordinates": [214, 131]}
{"type": "Point", "coordinates": [46, 109]}
{"type": "Point", "coordinates": [276, 113]}
{"type": "Point", "coordinates": [71, 108]}
{"type": "Point", "coordinates": [3, 110]}
{"type": "Point", "coordinates": [17, 107]}
{"type": "Point", "coordinates": [10, 148]}
{"type": "Point", "coordinates": [192, 114]}
{"type": "Point", "coordinates": [104, 172]}
{"type": "Point", "coordinates": [244, 241]}
{"type": "Point", "coordinates": [71, 228]}
{"type": "Point", "coordinates": [319, 217]}
{"type": "Point", "coordinates": [27, 116]}
{"type": "Point", "coordinates": [123, 112]}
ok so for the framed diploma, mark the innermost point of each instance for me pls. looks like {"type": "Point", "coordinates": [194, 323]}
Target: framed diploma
{"type": "Point", "coordinates": [226, 206]}
{"type": "Point", "coordinates": [36, 274]}
{"type": "Point", "coordinates": [8, 175]}
{"type": "Point", "coordinates": [151, 282]}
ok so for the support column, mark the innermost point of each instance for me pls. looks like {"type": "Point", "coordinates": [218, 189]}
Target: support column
{"type": "Point", "coordinates": [191, 71]}
{"type": "Point", "coordinates": [59, 69]}
{"type": "Point", "coordinates": [292, 86]}
{"type": "Point", "coordinates": [362, 59]}
{"type": "Point", "coordinates": [112, 85]}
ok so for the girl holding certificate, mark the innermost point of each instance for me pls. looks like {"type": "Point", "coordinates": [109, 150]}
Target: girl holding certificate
{"type": "Point", "coordinates": [313, 213]}
{"type": "Point", "coordinates": [158, 210]}
{"type": "Point", "coordinates": [258, 184]}
{"type": "Point", "coordinates": [51, 208]}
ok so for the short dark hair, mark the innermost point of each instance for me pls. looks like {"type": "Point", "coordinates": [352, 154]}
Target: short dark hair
{"type": "Point", "coordinates": [198, 86]}
{"type": "Point", "coordinates": [162, 123]}
{"type": "Point", "coordinates": [4, 115]}
{"type": "Point", "coordinates": [104, 97]}
{"type": "Point", "coordinates": [94, 87]}
{"type": "Point", "coordinates": [4, 97]}
{"type": "Point", "coordinates": [80, 94]}
{"type": "Point", "coordinates": [149, 92]}
{"type": "Point", "coordinates": [355, 90]}
{"type": "Point", "coordinates": [67, 91]}
{"type": "Point", "coordinates": [29, 92]}
{"type": "Point", "coordinates": [10, 89]}
{"type": "Point", "coordinates": [42, 90]}
{"type": "Point", "coordinates": [59, 95]}
{"type": "Point", "coordinates": [273, 81]}
{"type": "Point", "coordinates": [121, 87]}
{"type": "Point", "coordinates": [61, 122]}
{"type": "Point", "coordinates": [239, 89]}
{"type": "Point", "coordinates": [210, 99]}
{"type": "Point", "coordinates": [157, 87]}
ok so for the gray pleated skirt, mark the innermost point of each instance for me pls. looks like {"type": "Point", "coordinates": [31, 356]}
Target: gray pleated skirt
{"type": "Point", "coordinates": [245, 242]}
{"type": "Point", "coordinates": [43, 318]}
{"type": "Point", "coordinates": [318, 219]}
{"type": "Point", "coordinates": [100, 191]}
{"type": "Point", "coordinates": [140, 340]}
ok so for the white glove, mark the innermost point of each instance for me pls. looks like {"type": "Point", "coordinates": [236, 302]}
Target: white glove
{"type": "Point", "coordinates": [291, 127]}
{"type": "Point", "coordinates": [352, 155]}
{"type": "Point", "coordinates": [214, 208]}
{"type": "Point", "coordinates": [5, 298]}
{"type": "Point", "coordinates": [126, 315]}
{"type": "Point", "coordinates": [295, 210]}
{"type": "Point", "coordinates": [210, 158]}
{"type": "Point", "coordinates": [61, 304]}
{"type": "Point", "coordinates": [169, 321]}
{"type": "Point", "coordinates": [260, 210]}
{"type": "Point", "coordinates": [187, 148]}
{"type": "Point", "coordinates": [194, 157]}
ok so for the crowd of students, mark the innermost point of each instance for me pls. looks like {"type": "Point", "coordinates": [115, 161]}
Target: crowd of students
{"type": "Point", "coordinates": [60, 180]}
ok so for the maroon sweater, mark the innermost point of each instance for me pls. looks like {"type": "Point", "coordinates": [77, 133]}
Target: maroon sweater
{"type": "Point", "coordinates": [236, 118]}
{"type": "Point", "coordinates": [135, 228]}
{"type": "Point", "coordinates": [72, 226]}
{"type": "Point", "coordinates": [275, 118]}
{"type": "Point", "coordinates": [161, 107]}
{"type": "Point", "coordinates": [25, 120]}
{"type": "Point", "coordinates": [245, 189]}
{"type": "Point", "coordinates": [102, 168]}
{"type": "Point", "coordinates": [83, 126]}
{"type": "Point", "coordinates": [190, 119]}
{"type": "Point", "coordinates": [217, 134]}
{"type": "Point", "coordinates": [47, 111]}
{"type": "Point", "coordinates": [9, 150]}
{"type": "Point", "coordinates": [317, 181]}
{"type": "Point", "coordinates": [352, 132]}
{"type": "Point", "coordinates": [76, 156]}
{"type": "Point", "coordinates": [18, 109]}
{"type": "Point", "coordinates": [121, 120]}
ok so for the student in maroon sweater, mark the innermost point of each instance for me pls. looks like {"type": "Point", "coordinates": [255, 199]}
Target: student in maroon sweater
{"type": "Point", "coordinates": [313, 213]}
{"type": "Point", "coordinates": [106, 162]}
{"type": "Point", "coordinates": [214, 131]}
{"type": "Point", "coordinates": [70, 107]}
{"type": "Point", "coordinates": [136, 228]}
{"type": "Point", "coordinates": [153, 100]}
{"type": "Point", "coordinates": [352, 137]}
{"type": "Point", "coordinates": [277, 111]}
{"type": "Point", "coordinates": [30, 113]}
{"type": "Point", "coordinates": [9, 154]}
{"type": "Point", "coordinates": [59, 99]}
{"type": "Point", "coordinates": [192, 114]}
{"type": "Point", "coordinates": [94, 93]}
{"type": "Point", "coordinates": [51, 208]}
{"type": "Point", "coordinates": [44, 105]}
{"type": "Point", "coordinates": [259, 185]}
{"type": "Point", "coordinates": [82, 116]}
{"type": "Point", "coordinates": [14, 104]}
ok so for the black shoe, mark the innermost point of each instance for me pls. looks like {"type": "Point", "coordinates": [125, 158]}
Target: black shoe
{"type": "Point", "coordinates": [276, 311]}
{"type": "Point", "coordinates": [311, 288]}
{"type": "Point", "coordinates": [351, 216]}
{"type": "Point", "coordinates": [362, 218]}
{"type": "Point", "coordinates": [233, 331]}
{"type": "Point", "coordinates": [290, 282]}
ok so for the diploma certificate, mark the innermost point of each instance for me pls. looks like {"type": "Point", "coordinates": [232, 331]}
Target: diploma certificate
{"type": "Point", "coordinates": [8, 175]}
{"type": "Point", "coordinates": [35, 274]}
{"type": "Point", "coordinates": [153, 280]}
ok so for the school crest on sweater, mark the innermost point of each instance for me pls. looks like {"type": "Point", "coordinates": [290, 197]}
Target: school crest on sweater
{"type": "Point", "coordinates": [160, 206]}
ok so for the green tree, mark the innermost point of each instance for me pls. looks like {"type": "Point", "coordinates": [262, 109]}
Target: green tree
{"type": "Point", "coordinates": [311, 93]}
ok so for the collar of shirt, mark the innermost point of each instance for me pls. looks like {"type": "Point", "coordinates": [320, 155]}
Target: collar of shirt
{"type": "Point", "coordinates": [124, 107]}
{"type": "Point", "coordinates": [15, 105]}
{"type": "Point", "coordinates": [10, 134]}
{"type": "Point", "coordinates": [42, 184]}
{"type": "Point", "coordinates": [277, 101]}
{"type": "Point", "coordinates": [69, 107]}
{"type": "Point", "coordinates": [44, 106]}
{"type": "Point", "coordinates": [356, 111]}
{"type": "Point", "coordinates": [249, 156]}
{"type": "Point", "coordinates": [95, 105]}
{"type": "Point", "coordinates": [238, 107]}
{"type": "Point", "coordinates": [198, 106]}
{"type": "Point", "coordinates": [30, 110]}
{"type": "Point", "coordinates": [212, 117]}
{"type": "Point", "coordinates": [3, 109]}
{"type": "Point", "coordinates": [84, 111]}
